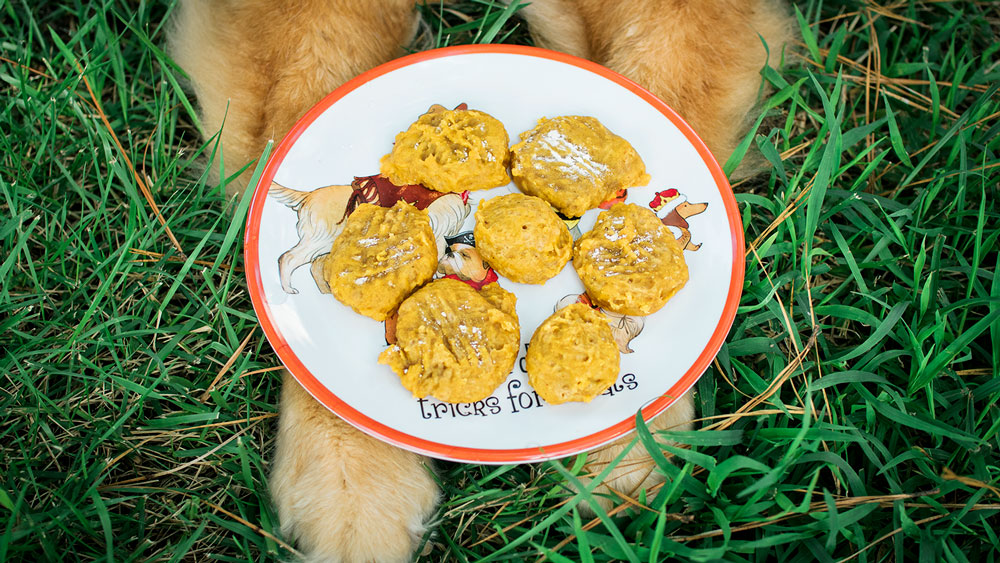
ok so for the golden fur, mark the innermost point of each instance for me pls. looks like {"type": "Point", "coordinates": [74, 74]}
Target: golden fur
{"type": "Point", "coordinates": [257, 65]}
{"type": "Point", "coordinates": [342, 493]}
{"type": "Point", "coordinates": [702, 57]}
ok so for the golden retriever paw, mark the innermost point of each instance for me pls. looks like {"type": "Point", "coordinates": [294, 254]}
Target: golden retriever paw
{"type": "Point", "coordinates": [342, 495]}
{"type": "Point", "coordinates": [636, 471]}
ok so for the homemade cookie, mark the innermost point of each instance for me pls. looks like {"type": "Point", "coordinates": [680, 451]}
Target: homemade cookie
{"type": "Point", "coordinates": [575, 163]}
{"type": "Point", "coordinates": [630, 262]}
{"type": "Point", "coordinates": [572, 355]}
{"type": "Point", "coordinates": [381, 255]}
{"type": "Point", "coordinates": [522, 238]}
{"type": "Point", "coordinates": [450, 151]}
{"type": "Point", "coordinates": [453, 342]}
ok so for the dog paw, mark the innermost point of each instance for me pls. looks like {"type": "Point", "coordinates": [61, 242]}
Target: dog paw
{"type": "Point", "coordinates": [636, 471]}
{"type": "Point", "coordinates": [342, 495]}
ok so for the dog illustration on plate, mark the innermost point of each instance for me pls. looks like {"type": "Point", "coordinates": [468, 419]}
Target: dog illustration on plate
{"type": "Point", "coordinates": [462, 261]}
{"type": "Point", "coordinates": [673, 209]}
{"type": "Point", "coordinates": [322, 212]}
{"type": "Point", "coordinates": [624, 328]}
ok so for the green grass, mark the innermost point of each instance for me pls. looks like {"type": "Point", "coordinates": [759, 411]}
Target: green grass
{"type": "Point", "coordinates": [138, 394]}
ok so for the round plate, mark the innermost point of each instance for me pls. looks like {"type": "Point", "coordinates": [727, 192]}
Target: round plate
{"type": "Point", "coordinates": [332, 351]}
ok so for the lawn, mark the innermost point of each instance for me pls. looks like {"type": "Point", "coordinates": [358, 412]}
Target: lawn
{"type": "Point", "coordinates": [853, 414]}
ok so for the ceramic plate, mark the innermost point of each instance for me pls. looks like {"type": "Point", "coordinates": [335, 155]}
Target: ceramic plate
{"type": "Point", "coordinates": [332, 351]}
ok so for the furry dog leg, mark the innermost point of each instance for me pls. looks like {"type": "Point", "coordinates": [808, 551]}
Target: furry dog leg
{"type": "Point", "coordinates": [343, 495]}
{"type": "Point", "coordinates": [701, 57]}
{"type": "Point", "coordinates": [257, 65]}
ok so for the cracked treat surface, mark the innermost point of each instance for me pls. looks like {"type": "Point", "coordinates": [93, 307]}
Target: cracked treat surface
{"type": "Point", "coordinates": [572, 355]}
{"type": "Point", "coordinates": [522, 238]}
{"type": "Point", "coordinates": [450, 151]}
{"type": "Point", "coordinates": [453, 342]}
{"type": "Point", "coordinates": [630, 262]}
{"type": "Point", "coordinates": [381, 256]}
{"type": "Point", "coordinates": [575, 163]}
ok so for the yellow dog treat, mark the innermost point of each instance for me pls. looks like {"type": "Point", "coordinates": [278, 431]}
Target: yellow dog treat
{"type": "Point", "coordinates": [522, 238]}
{"type": "Point", "coordinates": [450, 151]}
{"type": "Point", "coordinates": [630, 262]}
{"type": "Point", "coordinates": [575, 163]}
{"type": "Point", "coordinates": [453, 342]}
{"type": "Point", "coordinates": [572, 355]}
{"type": "Point", "coordinates": [380, 257]}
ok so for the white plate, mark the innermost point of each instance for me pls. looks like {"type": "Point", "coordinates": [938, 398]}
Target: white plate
{"type": "Point", "coordinates": [332, 351]}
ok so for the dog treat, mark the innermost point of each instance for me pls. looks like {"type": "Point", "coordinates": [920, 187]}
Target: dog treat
{"type": "Point", "coordinates": [630, 262]}
{"type": "Point", "coordinates": [522, 238]}
{"type": "Point", "coordinates": [453, 342]}
{"type": "Point", "coordinates": [380, 257]}
{"type": "Point", "coordinates": [572, 355]}
{"type": "Point", "coordinates": [575, 163]}
{"type": "Point", "coordinates": [450, 151]}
